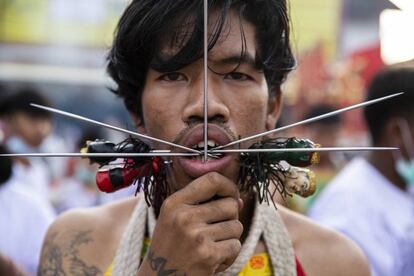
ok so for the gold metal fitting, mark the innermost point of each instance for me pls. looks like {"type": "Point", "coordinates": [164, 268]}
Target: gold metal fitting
{"type": "Point", "coordinates": [312, 184]}
{"type": "Point", "coordinates": [315, 158]}
{"type": "Point", "coordinates": [85, 148]}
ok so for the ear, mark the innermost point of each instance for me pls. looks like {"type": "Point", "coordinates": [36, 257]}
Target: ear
{"type": "Point", "coordinates": [393, 136]}
{"type": "Point", "coordinates": [139, 123]}
{"type": "Point", "coordinates": [403, 136]}
{"type": "Point", "coordinates": [274, 109]}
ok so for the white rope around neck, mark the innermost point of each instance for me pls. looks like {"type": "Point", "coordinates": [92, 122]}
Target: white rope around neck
{"type": "Point", "coordinates": [266, 223]}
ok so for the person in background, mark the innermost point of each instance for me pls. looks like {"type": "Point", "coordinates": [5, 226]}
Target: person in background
{"type": "Point", "coordinates": [372, 199]}
{"type": "Point", "coordinates": [25, 213]}
{"type": "Point", "coordinates": [78, 187]}
{"type": "Point", "coordinates": [324, 132]}
{"type": "Point", "coordinates": [24, 219]}
{"type": "Point", "coordinates": [25, 129]}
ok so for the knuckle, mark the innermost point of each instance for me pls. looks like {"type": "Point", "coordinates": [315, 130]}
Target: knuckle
{"type": "Point", "coordinates": [237, 228]}
{"type": "Point", "coordinates": [234, 206]}
{"type": "Point", "coordinates": [234, 228]}
{"type": "Point", "coordinates": [234, 247]}
{"type": "Point", "coordinates": [200, 238]}
{"type": "Point", "coordinates": [192, 188]}
{"type": "Point", "coordinates": [183, 218]}
{"type": "Point", "coordinates": [217, 209]}
{"type": "Point", "coordinates": [214, 178]}
{"type": "Point", "coordinates": [167, 206]}
{"type": "Point", "coordinates": [197, 212]}
{"type": "Point", "coordinates": [206, 256]}
{"type": "Point", "coordinates": [231, 207]}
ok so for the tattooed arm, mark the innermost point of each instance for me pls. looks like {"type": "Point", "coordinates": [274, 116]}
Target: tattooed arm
{"type": "Point", "coordinates": [62, 257]}
{"type": "Point", "coordinates": [84, 241]}
{"type": "Point", "coordinates": [73, 246]}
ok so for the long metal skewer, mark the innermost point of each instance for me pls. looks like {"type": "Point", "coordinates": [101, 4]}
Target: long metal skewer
{"type": "Point", "coordinates": [305, 149]}
{"type": "Point", "coordinates": [120, 155]}
{"type": "Point", "coordinates": [329, 114]}
{"type": "Point", "coordinates": [163, 153]}
{"type": "Point", "coordinates": [205, 80]}
{"type": "Point", "coordinates": [78, 117]}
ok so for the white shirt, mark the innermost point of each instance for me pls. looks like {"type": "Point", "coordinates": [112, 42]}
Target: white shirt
{"type": "Point", "coordinates": [73, 193]}
{"type": "Point", "coordinates": [24, 220]}
{"type": "Point", "coordinates": [362, 204]}
{"type": "Point", "coordinates": [25, 176]}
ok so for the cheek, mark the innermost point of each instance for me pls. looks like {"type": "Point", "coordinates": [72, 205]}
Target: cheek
{"type": "Point", "coordinates": [249, 115]}
{"type": "Point", "coordinates": [161, 116]}
{"type": "Point", "coordinates": [25, 127]}
{"type": "Point", "coordinates": [152, 114]}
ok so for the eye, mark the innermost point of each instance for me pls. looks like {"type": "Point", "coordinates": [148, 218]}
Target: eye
{"type": "Point", "coordinates": [173, 76]}
{"type": "Point", "coordinates": [237, 76]}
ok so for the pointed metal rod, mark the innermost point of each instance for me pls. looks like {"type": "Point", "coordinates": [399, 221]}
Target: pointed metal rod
{"type": "Point", "coordinates": [81, 118]}
{"type": "Point", "coordinates": [313, 119]}
{"type": "Point", "coordinates": [305, 149]}
{"type": "Point", "coordinates": [165, 154]}
{"type": "Point", "coordinates": [119, 155]}
{"type": "Point", "coordinates": [205, 80]}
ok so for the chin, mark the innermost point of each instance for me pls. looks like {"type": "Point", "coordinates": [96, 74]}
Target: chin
{"type": "Point", "coordinates": [182, 176]}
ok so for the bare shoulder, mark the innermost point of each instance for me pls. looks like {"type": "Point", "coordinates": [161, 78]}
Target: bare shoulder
{"type": "Point", "coordinates": [323, 251]}
{"type": "Point", "coordinates": [84, 241]}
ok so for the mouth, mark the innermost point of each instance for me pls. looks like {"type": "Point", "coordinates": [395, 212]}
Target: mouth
{"type": "Point", "coordinates": [211, 144]}
{"type": "Point", "coordinates": [196, 166]}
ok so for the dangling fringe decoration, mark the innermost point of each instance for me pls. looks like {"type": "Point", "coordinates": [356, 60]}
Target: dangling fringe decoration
{"type": "Point", "coordinates": [154, 185]}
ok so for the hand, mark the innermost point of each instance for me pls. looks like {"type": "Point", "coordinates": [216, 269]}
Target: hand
{"type": "Point", "coordinates": [196, 234]}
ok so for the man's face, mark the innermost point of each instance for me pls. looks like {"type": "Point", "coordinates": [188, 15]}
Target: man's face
{"type": "Point", "coordinates": [238, 104]}
{"type": "Point", "coordinates": [32, 129]}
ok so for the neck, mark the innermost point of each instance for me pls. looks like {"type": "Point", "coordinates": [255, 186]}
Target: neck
{"type": "Point", "coordinates": [384, 162]}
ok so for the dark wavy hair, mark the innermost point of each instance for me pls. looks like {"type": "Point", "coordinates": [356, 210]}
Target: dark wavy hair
{"type": "Point", "coordinates": [393, 79]}
{"type": "Point", "coordinates": [19, 101]}
{"type": "Point", "coordinates": [147, 26]}
{"type": "Point", "coordinates": [5, 166]}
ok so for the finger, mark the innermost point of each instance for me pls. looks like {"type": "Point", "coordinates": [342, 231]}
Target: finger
{"type": "Point", "coordinates": [228, 251]}
{"type": "Point", "coordinates": [217, 210]}
{"type": "Point", "coordinates": [226, 230]}
{"type": "Point", "coordinates": [206, 187]}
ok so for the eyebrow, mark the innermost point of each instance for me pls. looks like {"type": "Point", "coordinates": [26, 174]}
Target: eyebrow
{"type": "Point", "coordinates": [246, 59]}
{"type": "Point", "coordinates": [232, 59]}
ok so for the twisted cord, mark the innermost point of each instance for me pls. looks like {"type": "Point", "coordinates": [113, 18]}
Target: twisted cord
{"type": "Point", "coordinates": [127, 258]}
{"type": "Point", "coordinates": [266, 222]}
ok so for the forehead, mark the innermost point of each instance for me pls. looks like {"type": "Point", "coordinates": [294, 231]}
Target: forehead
{"type": "Point", "coordinates": [236, 37]}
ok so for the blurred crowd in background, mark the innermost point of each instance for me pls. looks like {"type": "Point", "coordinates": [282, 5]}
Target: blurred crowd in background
{"type": "Point", "coordinates": [52, 52]}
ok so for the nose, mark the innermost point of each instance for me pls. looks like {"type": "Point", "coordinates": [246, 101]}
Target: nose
{"type": "Point", "coordinates": [217, 110]}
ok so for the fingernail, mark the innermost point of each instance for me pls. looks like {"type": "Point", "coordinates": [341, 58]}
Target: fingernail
{"type": "Point", "coordinates": [241, 203]}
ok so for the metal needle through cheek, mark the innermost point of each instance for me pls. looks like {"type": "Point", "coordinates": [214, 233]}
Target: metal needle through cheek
{"type": "Point", "coordinates": [205, 80]}
{"type": "Point", "coordinates": [317, 118]}
{"type": "Point", "coordinates": [135, 134]}
{"type": "Point", "coordinates": [305, 149]}
{"type": "Point", "coordinates": [118, 155]}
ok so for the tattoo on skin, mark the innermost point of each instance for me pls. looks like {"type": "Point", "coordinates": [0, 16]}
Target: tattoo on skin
{"type": "Point", "coordinates": [158, 264]}
{"type": "Point", "coordinates": [52, 259]}
{"type": "Point", "coordinates": [54, 253]}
